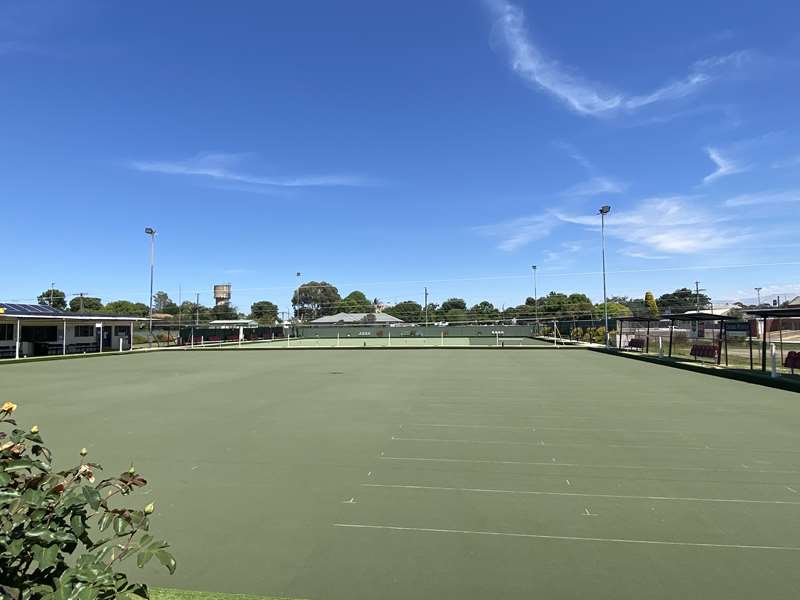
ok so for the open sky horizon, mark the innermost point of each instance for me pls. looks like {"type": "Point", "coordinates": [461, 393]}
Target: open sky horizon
{"type": "Point", "coordinates": [388, 147]}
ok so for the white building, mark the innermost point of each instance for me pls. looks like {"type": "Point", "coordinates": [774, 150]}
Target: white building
{"type": "Point", "coordinates": [36, 330]}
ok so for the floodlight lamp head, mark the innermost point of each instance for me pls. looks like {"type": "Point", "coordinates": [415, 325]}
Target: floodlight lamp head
{"type": "Point", "coordinates": [604, 210]}
{"type": "Point", "coordinates": [149, 231]}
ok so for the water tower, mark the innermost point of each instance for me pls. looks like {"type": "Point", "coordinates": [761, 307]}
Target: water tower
{"type": "Point", "coordinates": [222, 293]}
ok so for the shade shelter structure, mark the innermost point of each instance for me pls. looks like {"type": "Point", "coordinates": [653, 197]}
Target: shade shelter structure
{"type": "Point", "coordinates": [698, 317]}
{"type": "Point", "coordinates": [765, 314]}
{"type": "Point", "coordinates": [35, 330]}
{"type": "Point", "coordinates": [638, 320]}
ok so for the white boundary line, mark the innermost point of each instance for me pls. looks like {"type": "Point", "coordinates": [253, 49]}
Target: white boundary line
{"type": "Point", "coordinates": [587, 466]}
{"type": "Point", "coordinates": [567, 538]}
{"type": "Point", "coordinates": [580, 495]}
{"type": "Point", "coordinates": [543, 444]}
{"type": "Point", "coordinates": [578, 429]}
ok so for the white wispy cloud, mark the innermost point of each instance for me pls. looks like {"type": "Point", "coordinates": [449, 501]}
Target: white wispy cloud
{"type": "Point", "coordinates": [636, 253]}
{"type": "Point", "coordinates": [517, 233]}
{"type": "Point", "coordinates": [595, 186]}
{"type": "Point", "coordinates": [581, 95]}
{"type": "Point", "coordinates": [222, 167]}
{"type": "Point", "coordinates": [771, 197]}
{"type": "Point", "coordinates": [725, 165]}
{"type": "Point", "coordinates": [671, 225]}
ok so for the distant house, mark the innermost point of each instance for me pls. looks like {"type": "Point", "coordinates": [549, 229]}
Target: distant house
{"type": "Point", "coordinates": [357, 319]}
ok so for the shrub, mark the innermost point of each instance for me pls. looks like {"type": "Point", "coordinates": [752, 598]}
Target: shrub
{"type": "Point", "coordinates": [62, 537]}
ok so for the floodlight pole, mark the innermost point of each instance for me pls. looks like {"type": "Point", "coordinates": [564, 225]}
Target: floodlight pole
{"type": "Point", "coordinates": [426, 306]}
{"type": "Point", "coordinates": [535, 297]}
{"type": "Point", "coordinates": [152, 233]}
{"type": "Point", "coordinates": [604, 210]}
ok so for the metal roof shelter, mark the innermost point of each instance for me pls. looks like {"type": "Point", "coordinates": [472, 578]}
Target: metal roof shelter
{"type": "Point", "coordinates": [702, 316]}
{"type": "Point", "coordinates": [48, 333]}
{"type": "Point", "coordinates": [771, 313]}
{"type": "Point", "coordinates": [640, 319]}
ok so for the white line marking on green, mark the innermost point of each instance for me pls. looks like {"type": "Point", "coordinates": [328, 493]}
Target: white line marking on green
{"type": "Point", "coordinates": [586, 466]}
{"type": "Point", "coordinates": [576, 494]}
{"type": "Point", "coordinates": [567, 538]}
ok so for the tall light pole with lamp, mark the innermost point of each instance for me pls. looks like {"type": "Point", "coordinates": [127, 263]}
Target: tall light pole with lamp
{"type": "Point", "coordinates": [152, 233]}
{"type": "Point", "coordinates": [604, 210]}
{"type": "Point", "coordinates": [535, 298]}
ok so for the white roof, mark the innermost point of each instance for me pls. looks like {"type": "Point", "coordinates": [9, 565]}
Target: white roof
{"type": "Point", "coordinates": [356, 319]}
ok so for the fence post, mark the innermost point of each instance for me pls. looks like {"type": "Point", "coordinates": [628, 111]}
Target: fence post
{"type": "Point", "coordinates": [774, 359]}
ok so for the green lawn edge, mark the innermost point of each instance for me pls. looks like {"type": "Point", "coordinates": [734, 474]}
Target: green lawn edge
{"type": "Point", "coordinates": [173, 594]}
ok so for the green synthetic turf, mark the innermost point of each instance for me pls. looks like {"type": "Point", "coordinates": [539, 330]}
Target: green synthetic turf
{"type": "Point", "coordinates": [255, 457]}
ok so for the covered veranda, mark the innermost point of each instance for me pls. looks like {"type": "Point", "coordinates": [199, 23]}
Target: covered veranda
{"type": "Point", "coordinates": [28, 330]}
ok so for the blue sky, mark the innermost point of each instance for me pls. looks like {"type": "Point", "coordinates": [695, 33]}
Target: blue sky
{"type": "Point", "coordinates": [389, 146]}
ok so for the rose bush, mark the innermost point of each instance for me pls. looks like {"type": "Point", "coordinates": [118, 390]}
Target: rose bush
{"type": "Point", "coordinates": [62, 535]}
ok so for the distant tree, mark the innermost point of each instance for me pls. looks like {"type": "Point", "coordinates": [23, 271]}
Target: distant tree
{"type": "Point", "coordinates": [456, 315]}
{"type": "Point", "coordinates": [264, 312]}
{"type": "Point", "coordinates": [484, 310]}
{"type": "Point", "coordinates": [615, 309]}
{"type": "Point", "coordinates": [355, 302]}
{"type": "Point", "coordinates": [681, 300]}
{"type": "Point", "coordinates": [554, 305]}
{"type": "Point", "coordinates": [161, 301]}
{"type": "Point", "coordinates": [125, 307]}
{"type": "Point", "coordinates": [315, 299]}
{"type": "Point", "coordinates": [192, 312]}
{"type": "Point", "coordinates": [650, 302]}
{"type": "Point", "coordinates": [223, 312]}
{"type": "Point", "coordinates": [79, 304]}
{"type": "Point", "coordinates": [452, 303]}
{"type": "Point", "coordinates": [579, 306]}
{"type": "Point", "coordinates": [53, 297]}
{"type": "Point", "coordinates": [530, 301]}
{"type": "Point", "coordinates": [408, 310]}
{"type": "Point", "coordinates": [637, 305]}
{"type": "Point", "coordinates": [432, 313]}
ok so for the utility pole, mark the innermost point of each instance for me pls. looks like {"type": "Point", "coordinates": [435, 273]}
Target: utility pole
{"type": "Point", "coordinates": [299, 274]}
{"type": "Point", "coordinates": [535, 296]}
{"type": "Point", "coordinates": [426, 306]}
{"type": "Point", "coordinates": [197, 309]}
{"type": "Point", "coordinates": [758, 292]}
{"type": "Point", "coordinates": [52, 286]}
{"type": "Point", "coordinates": [697, 290]}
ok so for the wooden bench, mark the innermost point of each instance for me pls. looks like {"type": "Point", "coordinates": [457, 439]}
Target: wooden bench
{"type": "Point", "coordinates": [703, 351]}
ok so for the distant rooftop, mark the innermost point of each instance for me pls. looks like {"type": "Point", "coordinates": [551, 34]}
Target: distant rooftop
{"type": "Point", "coordinates": [356, 319]}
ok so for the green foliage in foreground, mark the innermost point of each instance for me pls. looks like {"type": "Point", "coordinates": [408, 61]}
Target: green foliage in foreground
{"type": "Point", "coordinates": [61, 537]}
{"type": "Point", "coordinates": [169, 594]}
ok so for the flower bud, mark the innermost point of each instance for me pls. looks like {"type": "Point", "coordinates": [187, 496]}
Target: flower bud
{"type": "Point", "coordinates": [131, 471]}
{"type": "Point", "coordinates": [35, 429]}
{"type": "Point", "coordinates": [148, 510]}
{"type": "Point", "coordinates": [84, 452]}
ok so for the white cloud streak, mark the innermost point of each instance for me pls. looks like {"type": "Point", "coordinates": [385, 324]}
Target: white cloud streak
{"type": "Point", "coordinates": [773, 197]}
{"type": "Point", "coordinates": [219, 167]}
{"type": "Point", "coordinates": [582, 96]}
{"type": "Point", "coordinates": [519, 232]}
{"type": "Point", "coordinates": [725, 165]}
{"type": "Point", "coordinates": [671, 225]}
